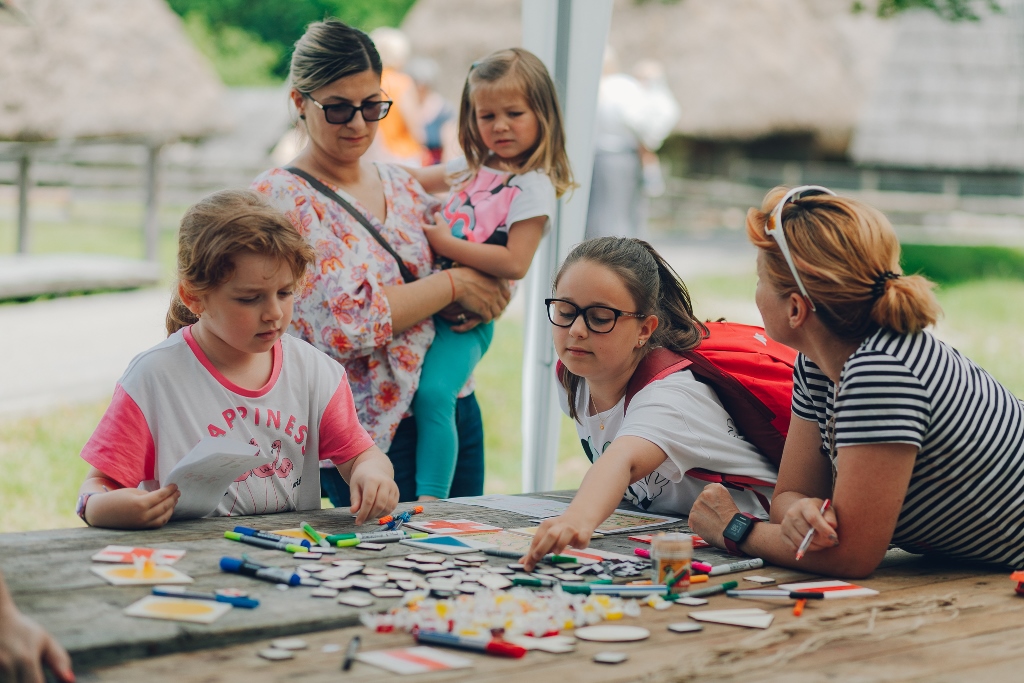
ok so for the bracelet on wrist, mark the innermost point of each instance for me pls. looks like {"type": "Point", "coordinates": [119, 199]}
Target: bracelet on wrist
{"type": "Point", "coordinates": [451, 281]}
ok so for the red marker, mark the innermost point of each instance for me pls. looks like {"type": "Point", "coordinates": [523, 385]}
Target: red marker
{"type": "Point", "coordinates": [642, 552]}
{"type": "Point", "coordinates": [701, 567]}
{"type": "Point", "coordinates": [491, 646]}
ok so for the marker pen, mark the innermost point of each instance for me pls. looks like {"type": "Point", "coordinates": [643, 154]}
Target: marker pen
{"type": "Point", "coordinates": [346, 540]}
{"type": "Point", "coordinates": [485, 644]}
{"type": "Point", "coordinates": [710, 590]}
{"type": "Point", "coordinates": [740, 566]}
{"type": "Point", "coordinates": [258, 571]}
{"type": "Point", "coordinates": [775, 593]}
{"type": "Point", "coordinates": [266, 535]}
{"type": "Point", "coordinates": [264, 543]}
{"type": "Point", "coordinates": [582, 588]}
{"type": "Point", "coordinates": [642, 552]}
{"type": "Point", "coordinates": [315, 535]}
{"type": "Point", "coordinates": [700, 566]}
{"type": "Point", "coordinates": [533, 582]}
{"type": "Point", "coordinates": [175, 592]}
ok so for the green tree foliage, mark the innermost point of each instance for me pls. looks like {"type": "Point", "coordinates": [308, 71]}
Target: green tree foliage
{"type": "Point", "coordinates": [240, 36]}
{"type": "Point", "coordinates": [953, 10]}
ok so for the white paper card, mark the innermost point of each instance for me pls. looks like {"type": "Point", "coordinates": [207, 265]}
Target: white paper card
{"type": "Point", "coordinates": [750, 618]}
{"type": "Point", "coordinates": [414, 660]}
{"type": "Point", "coordinates": [831, 589]}
{"type": "Point", "coordinates": [178, 609]}
{"type": "Point", "coordinates": [208, 470]}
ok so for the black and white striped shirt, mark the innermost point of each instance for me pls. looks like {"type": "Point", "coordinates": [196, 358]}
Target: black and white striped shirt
{"type": "Point", "coordinates": [966, 493]}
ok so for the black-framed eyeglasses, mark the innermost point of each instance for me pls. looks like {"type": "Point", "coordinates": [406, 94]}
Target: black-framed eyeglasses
{"type": "Point", "coordinates": [343, 113]}
{"type": "Point", "coordinates": [599, 319]}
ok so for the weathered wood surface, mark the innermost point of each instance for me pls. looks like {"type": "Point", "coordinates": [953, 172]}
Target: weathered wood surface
{"type": "Point", "coordinates": [23, 276]}
{"type": "Point", "coordinates": [49, 576]}
{"type": "Point", "coordinates": [979, 637]}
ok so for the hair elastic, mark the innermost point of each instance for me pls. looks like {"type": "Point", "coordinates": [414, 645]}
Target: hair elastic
{"type": "Point", "coordinates": [451, 281]}
{"type": "Point", "coordinates": [878, 286]}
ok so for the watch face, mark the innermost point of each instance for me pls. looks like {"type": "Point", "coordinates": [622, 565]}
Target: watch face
{"type": "Point", "coordinates": [736, 529]}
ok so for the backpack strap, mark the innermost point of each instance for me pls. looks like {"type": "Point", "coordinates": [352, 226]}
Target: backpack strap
{"type": "Point", "coordinates": [737, 482]}
{"type": "Point", "coordinates": [658, 364]}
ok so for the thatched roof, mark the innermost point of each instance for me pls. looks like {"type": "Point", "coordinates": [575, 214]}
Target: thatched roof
{"type": "Point", "coordinates": [741, 69]}
{"type": "Point", "coordinates": [950, 95]}
{"type": "Point", "coordinates": [104, 69]}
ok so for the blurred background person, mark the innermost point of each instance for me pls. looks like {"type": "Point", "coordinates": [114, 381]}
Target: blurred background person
{"type": "Point", "coordinates": [633, 119]}
{"type": "Point", "coordinates": [401, 134]}
{"type": "Point", "coordinates": [440, 123]}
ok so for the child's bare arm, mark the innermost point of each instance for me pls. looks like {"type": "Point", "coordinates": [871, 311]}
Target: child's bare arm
{"type": "Point", "coordinates": [434, 179]}
{"type": "Point", "coordinates": [116, 507]}
{"type": "Point", "coordinates": [371, 478]}
{"type": "Point", "coordinates": [628, 459]}
{"type": "Point", "coordinates": [510, 261]}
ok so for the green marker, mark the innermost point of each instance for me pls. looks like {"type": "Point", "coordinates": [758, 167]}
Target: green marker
{"type": "Point", "coordinates": [582, 588]}
{"type": "Point", "coordinates": [533, 582]}
{"type": "Point", "coordinates": [312, 533]}
{"type": "Point", "coordinates": [376, 536]}
{"type": "Point", "coordinates": [351, 542]}
{"type": "Point", "coordinates": [558, 559]}
{"type": "Point", "coordinates": [704, 592]}
{"type": "Point", "coordinates": [265, 543]}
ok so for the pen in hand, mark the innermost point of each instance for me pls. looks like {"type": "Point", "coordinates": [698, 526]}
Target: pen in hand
{"type": "Point", "coordinates": [810, 532]}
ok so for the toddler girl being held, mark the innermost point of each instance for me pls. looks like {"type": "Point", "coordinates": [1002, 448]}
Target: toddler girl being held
{"type": "Point", "coordinates": [503, 195]}
{"type": "Point", "coordinates": [228, 370]}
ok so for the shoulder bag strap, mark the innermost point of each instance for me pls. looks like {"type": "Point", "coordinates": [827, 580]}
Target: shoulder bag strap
{"type": "Point", "coordinates": [331, 194]}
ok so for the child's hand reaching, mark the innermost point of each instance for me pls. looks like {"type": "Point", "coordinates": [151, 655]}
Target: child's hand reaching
{"type": "Point", "coordinates": [553, 536]}
{"type": "Point", "coordinates": [371, 480]}
{"type": "Point", "coordinates": [439, 235]}
{"type": "Point", "coordinates": [132, 508]}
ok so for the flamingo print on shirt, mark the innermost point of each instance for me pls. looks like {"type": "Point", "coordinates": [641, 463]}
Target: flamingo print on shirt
{"type": "Point", "coordinates": [252, 484]}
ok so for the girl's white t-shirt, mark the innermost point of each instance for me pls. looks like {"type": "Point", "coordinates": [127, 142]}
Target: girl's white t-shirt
{"type": "Point", "coordinates": [684, 418]}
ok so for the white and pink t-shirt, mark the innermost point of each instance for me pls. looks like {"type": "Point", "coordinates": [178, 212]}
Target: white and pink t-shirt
{"type": "Point", "coordinates": [171, 396]}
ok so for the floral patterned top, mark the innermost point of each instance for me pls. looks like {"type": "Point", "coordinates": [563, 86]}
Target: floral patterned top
{"type": "Point", "coordinates": [341, 308]}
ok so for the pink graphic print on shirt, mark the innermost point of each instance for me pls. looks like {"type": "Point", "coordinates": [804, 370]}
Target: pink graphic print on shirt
{"type": "Point", "coordinates": [477, 212]}
{"type": "Point", "coordinates": [257, 484]}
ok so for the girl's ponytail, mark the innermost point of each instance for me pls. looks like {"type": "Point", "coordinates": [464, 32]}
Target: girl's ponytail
{"type": "Point", "coordinates": [906, 304]}
{"type": "Point", "coordinates": [178, 315]}
{"type": "Point", "coordinates": [679, 330]}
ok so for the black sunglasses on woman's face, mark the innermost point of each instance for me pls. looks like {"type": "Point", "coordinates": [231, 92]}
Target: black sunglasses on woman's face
{"type": "Point", "coordinates": [343, 113]}
{"type": "Point", "coordinates": [599, 319]}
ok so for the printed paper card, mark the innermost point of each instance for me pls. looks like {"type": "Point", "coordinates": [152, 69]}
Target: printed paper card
{"type": "Point", "coordinates": [178, 609]}
{"type": "Point", "coordinates": [536, 508]}
{"type": "Point", "coordinates": [414, 660]}
{"type": "Point", "coordinates": [451, 527]}
{"type": "Point", "coordinates": [532, 531]}
{"type": "Point", "coordinates": [139, 574]}
{"type": "Point", "coordinates": [831, 589]}
{"type": "Point", "coordinates": [126, 554]}
{"type": "Point", "coordinates": [749, 618]}
{"type": "Point", "coordinates": [501, 540]}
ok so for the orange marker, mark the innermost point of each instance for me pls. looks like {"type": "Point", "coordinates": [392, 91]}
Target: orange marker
{"type": "Point", "coordinates": [698, 578]}
{"type": "Point", "coordinates": [798, 608]}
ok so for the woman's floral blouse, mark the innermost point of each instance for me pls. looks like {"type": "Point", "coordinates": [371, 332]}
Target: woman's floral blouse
{"type": "Point", "coordinates": [340, 307]}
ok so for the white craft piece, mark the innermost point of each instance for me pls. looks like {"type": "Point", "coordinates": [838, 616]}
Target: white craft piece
{"type": "Point", "coordinates": [375, 571]}
{"type": "Point", "coordinates": [275, 655]}
{"type": "Point", "coordinates": [499, 570]}
{"type": "Point", "coordinates": [831, 589]}
{"type": "Point", "coordinates": [324, 592]}
{"type": "Point", "coordinates": [364, 585]}
{"type": "Point", "coordinates": [425, 558]}
{"type": "Point", "coordinates": [329, 550]}
{"type": "Point", "coordinates": [406, 585]}
{"type": "Point", "coordinates": [337, 584]}
{"type": "Point", "coordinates": [401, 564]}
{"type": "Point", "coordinates": [346, 563]}
{"type": "Point", "coordinates": [429, 568]}
{"type": "Point", "coordinates": [568, 578]}
{"type": "Point", "coordinates": [307, 556]}
{"type": "Point", "coordinates": [692, 602]}
{"type": "Point", "coordinates": [554, 644]}
{"type": "Point", "coordinates": [289, 644]}
{"type": "Point", "coordinates": [468, 588]}
{"type": "Point", "coordinates": [314, 567]}
{"type": "Point", "coordinates": [748, 618]}
{"type": "Point", "coordinates": [764, 580]}
{"type": "Point", "coordinates": [685, 627]}
{"type": "Point", "coordinates": [353, 600]}
{"type": "Point", "coordinates": [386, 592]}
{"type": "Point", "coordinates": [495, 582]}
{"type": "Point", "coordinates": [371, 546]}
{"type": "Point", "coordinates": [612, 634]}
{"type": "Point", "coordinates": [610, 657]}
{"type": "Point", "coordinates": [400, 576]}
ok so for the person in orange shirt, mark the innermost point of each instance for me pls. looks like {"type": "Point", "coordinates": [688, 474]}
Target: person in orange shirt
{"type": "Point", "coordinates": [400, 135]}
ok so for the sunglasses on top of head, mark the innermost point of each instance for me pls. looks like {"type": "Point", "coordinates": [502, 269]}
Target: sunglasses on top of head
{"type": "Point", "coordinates": [773, 228]}
{"type": "Point", "coordinates": [374, 110]}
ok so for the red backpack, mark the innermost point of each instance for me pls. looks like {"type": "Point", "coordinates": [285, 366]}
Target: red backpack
{"type": "Point", "coordinates": [752, 377]}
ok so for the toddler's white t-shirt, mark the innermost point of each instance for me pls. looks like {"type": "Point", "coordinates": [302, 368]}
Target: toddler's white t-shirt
{"type": "Point", "coordinates": [171, 396]}
{"type": "Point", "coordinates": [684, 418]}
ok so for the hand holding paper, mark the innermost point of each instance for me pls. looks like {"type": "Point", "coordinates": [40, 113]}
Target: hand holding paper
{"type": "Point", "coordinates": [208, 470]}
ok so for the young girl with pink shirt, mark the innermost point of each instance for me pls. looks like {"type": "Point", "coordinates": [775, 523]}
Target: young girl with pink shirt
{"type": "Point", "coordinates": [228, 370]}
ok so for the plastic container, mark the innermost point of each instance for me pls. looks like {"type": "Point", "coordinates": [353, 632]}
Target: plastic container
{"type": "Point", "coordinates": [671, 555]}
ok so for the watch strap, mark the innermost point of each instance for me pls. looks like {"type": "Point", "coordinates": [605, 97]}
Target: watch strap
{"type": "Point", "coordinates": [83, 500]}
{"type": "Point", "coordinates": [733, 546]}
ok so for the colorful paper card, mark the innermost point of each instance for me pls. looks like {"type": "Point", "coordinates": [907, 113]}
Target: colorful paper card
{"type": "Point", "coordinates": [450, 545]}
{"type": "Point", "coordinates": [622, 521]}
{"type": "Point", "coordinates": [414, 660]}
{"type": "Point", "coordinates": [698, 542]}
{"type": "Point", "coordinates": [126, 554]}
{"type": "Point", "coordinates": [532, 531]}
{"type": "Point", "coordinates": [831, 589]}
{"type": "Point", "coordinates": [178, 609]}
{"type": "Point", "coordinates": [140, 575]}
{"type": "Point", "coordinates": [451, 527]}
{"type": "Point", "coordinates": [537, 508]}
{"type": "Point", "coordinates": [501, 540]}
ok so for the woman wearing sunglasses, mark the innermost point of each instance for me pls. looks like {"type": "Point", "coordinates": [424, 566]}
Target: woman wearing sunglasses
{"type": "Point", "coordinates": [614, 300]}
{"type": "Point", "coordinates": [369, 300]}
{"type": "Point", "coordinates": [912, 443]}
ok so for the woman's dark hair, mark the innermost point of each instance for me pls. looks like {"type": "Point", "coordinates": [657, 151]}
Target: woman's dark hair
{"type": "Point", "coordinates": [655, 287]}
{"type": "Point", "coordinates": [330, 50]}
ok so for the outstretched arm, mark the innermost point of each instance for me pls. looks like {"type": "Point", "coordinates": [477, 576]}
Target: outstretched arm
{"type": "Point", "coordinates": [628, 459]}
{"type": "Point", "coordinates": [115, 507]}
{"type": "Point", "coordinates": [510, 261]}
{"type": "Point", "coordinates": [851, 538]}
{"type": "Point", "coordinates": [25, 648]}
{"type": "Point", "coordinates": [434, 179]}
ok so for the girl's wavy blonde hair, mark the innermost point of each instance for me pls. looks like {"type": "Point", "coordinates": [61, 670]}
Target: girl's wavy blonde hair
{"type": "Point", "coordinates": [522, 70]}
{"type": "Point", "coordinates": [219, 227]}
{"type": "Point", "coordinates": [843, 250]}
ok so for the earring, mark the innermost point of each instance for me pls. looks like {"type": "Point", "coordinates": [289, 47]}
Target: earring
{"type": "Point", "coordinates": [641, 342]}
{"type": "Point", "coordinates": [302, 116]}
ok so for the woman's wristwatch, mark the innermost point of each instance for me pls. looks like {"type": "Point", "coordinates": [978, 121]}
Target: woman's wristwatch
{"type": "Point", "coordinates": [737, 530]}
{"type": "Point", "coordinates": [83, 500]}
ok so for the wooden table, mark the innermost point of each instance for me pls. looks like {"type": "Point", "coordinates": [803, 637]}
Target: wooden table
{"type": "Point", "coordinates": [931, 623]}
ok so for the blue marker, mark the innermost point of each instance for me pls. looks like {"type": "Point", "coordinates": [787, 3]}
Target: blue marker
{"type": "Point", "coordinates": [178, 592]}
{"type": "Point", "coordinates": [266, 535]}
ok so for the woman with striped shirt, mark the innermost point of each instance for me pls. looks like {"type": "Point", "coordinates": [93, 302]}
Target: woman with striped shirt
{"type": "Point", "coordinates": [912, 442]}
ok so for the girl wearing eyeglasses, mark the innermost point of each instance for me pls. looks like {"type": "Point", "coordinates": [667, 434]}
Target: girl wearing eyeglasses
{"type": "Point", "coordinates": [614, 300]}
{"type": "Point", "coordinates": [369, 299]}
{"type": "Point", "coordinates": [912, 443]}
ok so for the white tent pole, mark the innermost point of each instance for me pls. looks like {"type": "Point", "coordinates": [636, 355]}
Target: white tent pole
{"type": "Point", "coordinates": [569, 37]}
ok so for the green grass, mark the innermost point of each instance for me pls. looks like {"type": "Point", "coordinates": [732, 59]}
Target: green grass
{"type": "Point", "coordinates": [949, 264]}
